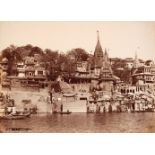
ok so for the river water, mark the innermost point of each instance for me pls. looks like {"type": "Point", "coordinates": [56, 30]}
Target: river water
{"type": "Point", "coordinates": [82, 122]}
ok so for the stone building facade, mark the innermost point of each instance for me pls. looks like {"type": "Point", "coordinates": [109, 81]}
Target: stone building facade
{"type": "Point", "coordinates": [104, 78]}
{"type": "Point", "coordinates": [96, 72]}
{"type": "Point", "coordinates": [31, 75]}
{"type": "Point", "coordinates": [143, 77]}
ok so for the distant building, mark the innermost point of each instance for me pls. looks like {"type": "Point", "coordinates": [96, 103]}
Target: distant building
{"type": "Point", "coordinates": [21, 69]}
{"type": "Point", "coordinates": [143, 77]}
{"type": "Point", "coordinates": [141, 62]}
{"type": "Point", "coordinates": [129, 63]}
{"type": "Point", "coordinates": [30, 74]}
{"type": "Point", "coordinates": [133, 63]}
{"type": "Point", "coordinates": [81, 66]}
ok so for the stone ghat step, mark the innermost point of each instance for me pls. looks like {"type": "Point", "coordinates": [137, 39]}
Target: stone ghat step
{"type": "Point", "coordinates": [76, 106]}
{"type": "Point", "coordinates": [72, 106]}
{"type": "Point", "coordinates": [75, 109]}
{"type": "Point", "coordinates": [75, 103]}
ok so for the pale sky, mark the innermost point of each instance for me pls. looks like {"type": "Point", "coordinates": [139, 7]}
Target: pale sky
{"type": "Point", "coordinates": [121, 38]}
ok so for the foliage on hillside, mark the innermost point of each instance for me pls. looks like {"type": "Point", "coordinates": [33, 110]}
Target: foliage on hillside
{"type": "Point", "coordinates": [120, 70]}
{"type": "Point", "coordinates": [54, 62]}
{"type": "Point", "coordinates": [57, 63]}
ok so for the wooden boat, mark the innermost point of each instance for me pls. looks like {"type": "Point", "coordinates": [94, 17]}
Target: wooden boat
{"type": "Point", "coordinates": [65, 112]}
{"type": "Point", "coordinates": [15, 116]}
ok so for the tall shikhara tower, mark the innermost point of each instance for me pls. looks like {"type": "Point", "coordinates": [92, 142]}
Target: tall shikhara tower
{"type": "Point", "coordinates": [101, 59]}
{"type": "Point", "coordinates": [103, 75]}
{"type": "Point", "coordinates": [98, 53]}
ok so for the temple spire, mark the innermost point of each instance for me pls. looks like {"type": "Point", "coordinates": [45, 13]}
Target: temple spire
{"type": "Point", "coordinates": [136, 57]}
{"type": "Point", "coordinates": [98, 53]}
{"type": "Point", "coordinates": [136, 60]}
{"type": "Point", "coordinates": [106, 55]}
{"type": "Point", "coordinates": [98, 37]}
{"type": "Point", "coordinates": [98, 48]}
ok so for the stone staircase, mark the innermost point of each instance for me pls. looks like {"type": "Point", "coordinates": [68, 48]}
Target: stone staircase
{"type": "Point", "coordinates": [76, 106]}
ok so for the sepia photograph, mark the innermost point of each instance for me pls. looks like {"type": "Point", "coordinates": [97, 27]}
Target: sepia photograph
{"type": "Point", "coordinates": [77, 77]}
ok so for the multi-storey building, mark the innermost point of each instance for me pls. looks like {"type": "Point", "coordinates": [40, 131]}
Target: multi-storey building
{"type": "Point", "coordinates": [97, 72]}
{"type": "Point", "coordinates": [30, 74]}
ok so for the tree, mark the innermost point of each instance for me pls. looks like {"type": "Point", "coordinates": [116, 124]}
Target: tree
{"type": "Point", "coordinates": [78, 54]}
{"type": "Point", "coordinates": [24, 50]}
{"type": "Point", "coordinates": [50, 55]}
{"type": "Point", "coordinates": [120, 70]}
{"type": "Point", "coordinates": [36, 50]}
{"type": "Point", "coordinates": [50, 59]}
{"type": "Point", "coordinates": [13, 57]}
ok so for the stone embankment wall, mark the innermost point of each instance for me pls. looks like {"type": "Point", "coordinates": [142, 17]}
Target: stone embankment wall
{"type": "Point", "coordinates": [39, 99]}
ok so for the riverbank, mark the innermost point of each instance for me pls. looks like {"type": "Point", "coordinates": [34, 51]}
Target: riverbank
{"type": "Point", "coordinates": [80, 102]}
{"type": "Point", "coordinates": [38, 99]}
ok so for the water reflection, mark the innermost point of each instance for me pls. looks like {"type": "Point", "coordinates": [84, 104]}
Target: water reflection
{"type": "Point", "coordinates": [82, 122]}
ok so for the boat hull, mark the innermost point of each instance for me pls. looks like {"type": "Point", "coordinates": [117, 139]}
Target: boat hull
{"type": "Point", "coordinates": [67, 113]}
{"type": "Point", "coordinates": [15, 117]}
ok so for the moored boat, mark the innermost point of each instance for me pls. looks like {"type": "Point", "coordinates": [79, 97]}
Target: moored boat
{"type": "Point", "coordinates": [15, 116]}
{"type": "Point", "coordinates": [65, 112]}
